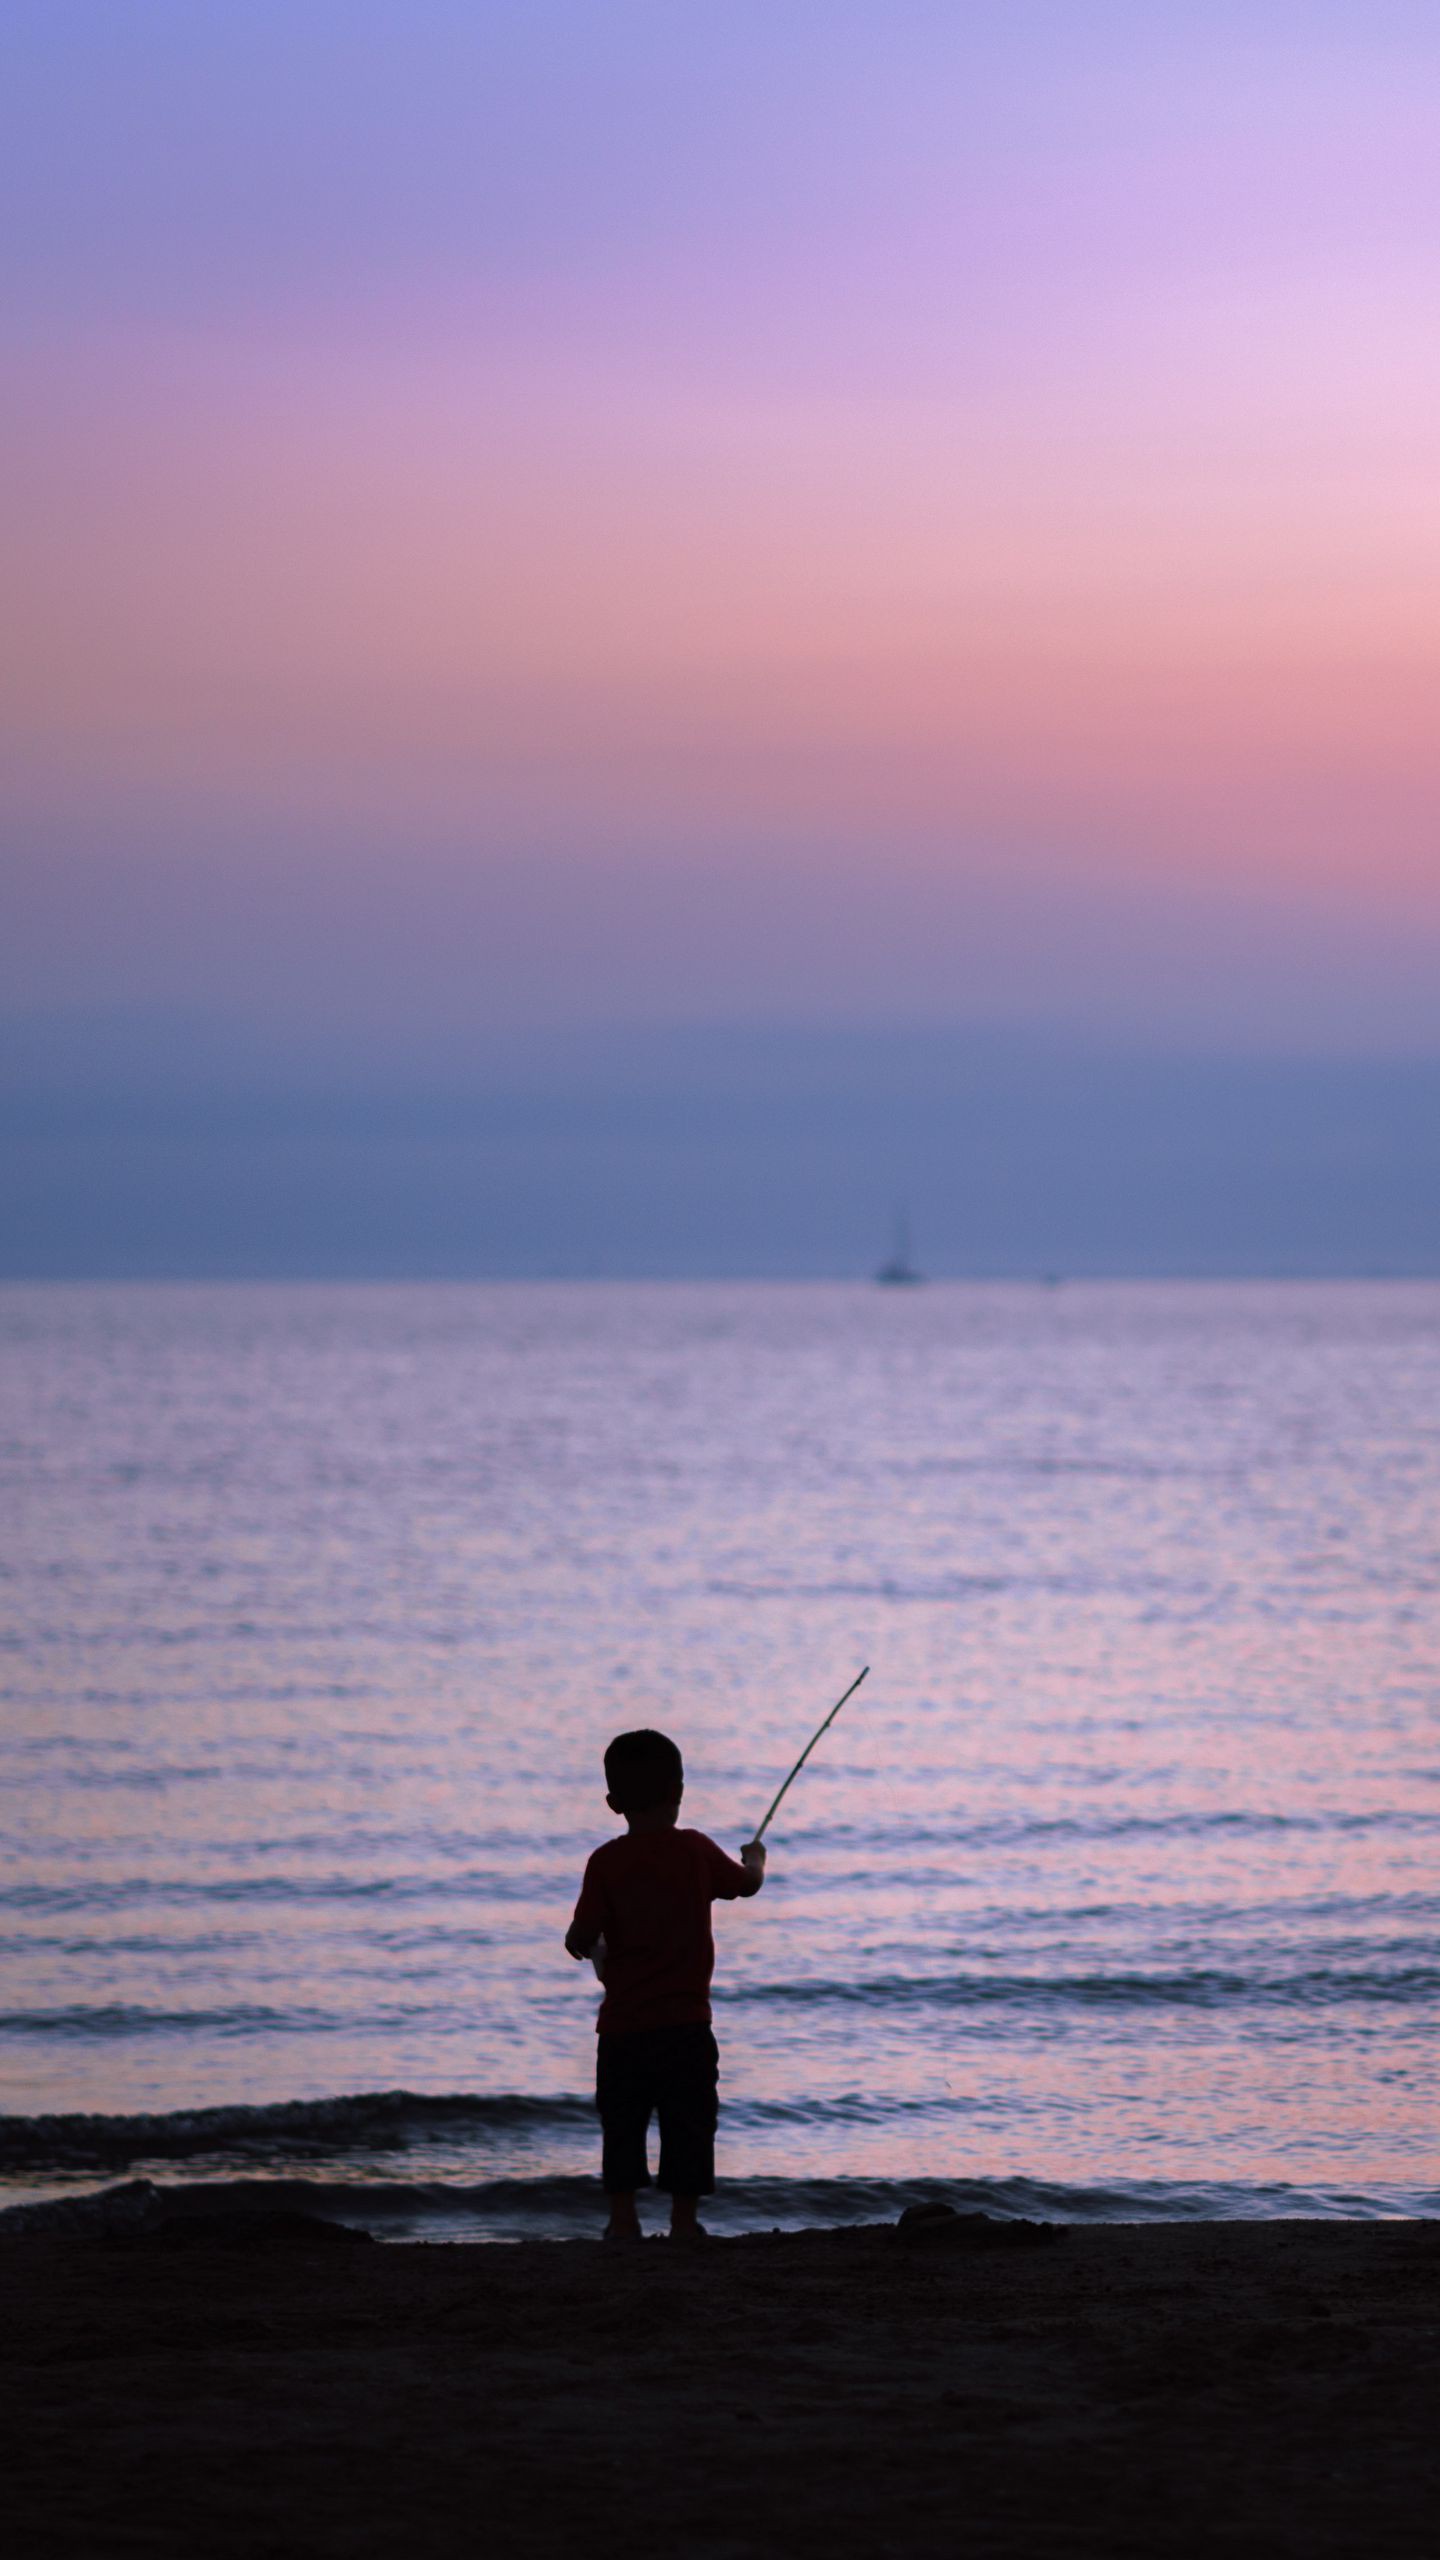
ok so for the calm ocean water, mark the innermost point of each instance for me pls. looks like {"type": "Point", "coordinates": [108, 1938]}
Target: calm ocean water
{"type": "Point", "coordinates": [1114, 1891]}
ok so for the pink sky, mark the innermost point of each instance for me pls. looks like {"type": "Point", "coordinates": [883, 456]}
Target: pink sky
{"type": "Point", "coordinates": [998, 504]}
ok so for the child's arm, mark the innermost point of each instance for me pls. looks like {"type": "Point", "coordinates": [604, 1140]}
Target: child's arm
{"type": "Point", "coordinates": [587, 1927]}
{"type": "Point", "coordinates": [579, 1946]}
{"type": "Point", "coordinates": [732, 1881]}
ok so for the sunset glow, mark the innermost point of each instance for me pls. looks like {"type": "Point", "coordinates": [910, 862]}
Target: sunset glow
{"type": "Point", "coordinates": [909, 452]}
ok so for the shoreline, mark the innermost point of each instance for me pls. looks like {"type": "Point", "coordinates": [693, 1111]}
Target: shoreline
{"type": "Point", "coordinates": [241, 2384]}
{"type": "Point", "coordinates": [563, 2206]}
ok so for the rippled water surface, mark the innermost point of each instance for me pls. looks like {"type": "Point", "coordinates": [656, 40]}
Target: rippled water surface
{"type": "Point", "coordinates": [1117, 1883]}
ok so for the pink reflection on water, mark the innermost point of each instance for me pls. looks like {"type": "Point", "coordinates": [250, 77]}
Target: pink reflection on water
{"type": "Point", "coordinates": [1122, 1865]}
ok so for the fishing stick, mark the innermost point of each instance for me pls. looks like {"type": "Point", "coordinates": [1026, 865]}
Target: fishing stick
{"type": "Point", "coordinates": [809, 1747]}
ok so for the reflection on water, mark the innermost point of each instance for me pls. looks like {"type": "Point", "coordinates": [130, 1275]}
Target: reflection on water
{"type": "Point", "coordinates": [319, 1605]}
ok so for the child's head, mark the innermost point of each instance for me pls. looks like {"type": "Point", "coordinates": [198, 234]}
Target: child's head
{"type": "Point", "coordinates": [644, 1773]}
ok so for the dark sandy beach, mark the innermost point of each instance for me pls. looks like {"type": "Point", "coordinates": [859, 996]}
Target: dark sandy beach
{"type": "Point", "coordinates": [1265, 2388]}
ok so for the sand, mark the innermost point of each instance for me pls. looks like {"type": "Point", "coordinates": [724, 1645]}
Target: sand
{"type": "Point", "coordinates": [1218, 2388]}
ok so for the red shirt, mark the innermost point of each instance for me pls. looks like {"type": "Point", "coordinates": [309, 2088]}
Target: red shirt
{"type": "Point", "coordinates": [649, 1895]}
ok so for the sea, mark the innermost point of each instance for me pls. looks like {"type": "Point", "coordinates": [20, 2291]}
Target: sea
{"type": "Point", "coordinates": [1114, 1892]}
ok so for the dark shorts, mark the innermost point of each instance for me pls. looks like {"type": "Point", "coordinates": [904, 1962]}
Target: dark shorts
{"type": "Point", "coordinates": [672, 2072]}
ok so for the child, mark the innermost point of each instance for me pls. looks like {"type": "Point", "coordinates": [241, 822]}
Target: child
{"type": "Point", "coordinates": [644, 1916]}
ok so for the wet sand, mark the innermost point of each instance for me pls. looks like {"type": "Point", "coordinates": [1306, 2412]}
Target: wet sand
{"type": "Point", "coordinates": [1217, 2388]}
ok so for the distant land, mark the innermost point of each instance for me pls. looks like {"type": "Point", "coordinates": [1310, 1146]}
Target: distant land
{"type": "Point", "coordinates": [152, 1146]}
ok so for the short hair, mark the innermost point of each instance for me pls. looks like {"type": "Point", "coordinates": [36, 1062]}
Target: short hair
{"type": "Point", "coordinates": [643, 1769]}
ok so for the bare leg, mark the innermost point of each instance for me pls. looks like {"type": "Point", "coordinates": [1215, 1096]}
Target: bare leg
{"type": "Point", "coordinates": [685, 2218]}
{"type": "Point", "coordinates": [624, 2222]}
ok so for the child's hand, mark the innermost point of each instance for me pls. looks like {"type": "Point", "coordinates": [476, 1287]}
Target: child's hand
{"type": "Point", "coordinates": [597, 1957]}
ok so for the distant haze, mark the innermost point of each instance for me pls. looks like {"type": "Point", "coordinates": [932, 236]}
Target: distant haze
{"type": "Point", "coordinates": [160, 1148]}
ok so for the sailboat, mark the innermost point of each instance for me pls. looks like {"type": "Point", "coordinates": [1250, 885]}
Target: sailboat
{"type": "Point", "coordinates": [900, 1272]}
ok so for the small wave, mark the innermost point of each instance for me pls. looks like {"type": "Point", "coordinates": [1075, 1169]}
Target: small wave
{"type": "Point", "coordinates": [1412, 1986]}
{"type": "Point", "coordinates": [481, 1889]}
{"type": "Point", "coordinates": [1017, 1830]}
{"type": "Point", "coordinates": [948, 1586]}
{"type": "Point", "coordinates": [127, 2018]}
{"type": "Point", "coordinates": [378, 2120]}
{"type": "Point", "coordinates": [181, 1893]}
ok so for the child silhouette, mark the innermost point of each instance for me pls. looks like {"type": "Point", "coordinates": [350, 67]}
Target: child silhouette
{"type": "Point", "coordinates": [644, 1918]}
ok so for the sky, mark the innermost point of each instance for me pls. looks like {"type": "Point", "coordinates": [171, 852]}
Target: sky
{"type": "Point", "coordinates": [538, 536]}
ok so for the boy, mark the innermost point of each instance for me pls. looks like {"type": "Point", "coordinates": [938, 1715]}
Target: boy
{"type": "Point", "coordinates": [644, 1917]}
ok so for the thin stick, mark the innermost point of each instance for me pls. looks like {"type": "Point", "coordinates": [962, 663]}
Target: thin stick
{"type": "Point", "coordinates": [810, 1745]}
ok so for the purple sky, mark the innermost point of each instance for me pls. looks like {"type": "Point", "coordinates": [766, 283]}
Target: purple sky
{"type": "Point", "coordinates": [527, 519]}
